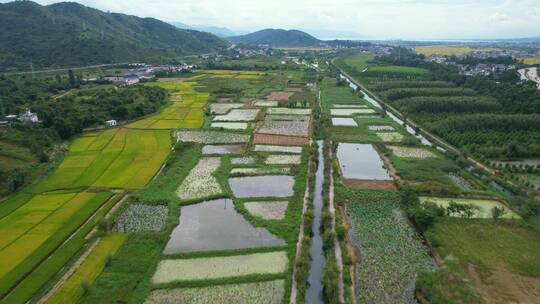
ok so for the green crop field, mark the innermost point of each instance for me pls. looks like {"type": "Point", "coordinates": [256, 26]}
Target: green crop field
{"type": "Point", "coordinates": [72, 290]}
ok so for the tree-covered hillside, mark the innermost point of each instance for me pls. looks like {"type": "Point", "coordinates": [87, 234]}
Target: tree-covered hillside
{"type": "Point", "coordinates": [70, 34]}
{"type": "Point", "coordinates": [278, 37]}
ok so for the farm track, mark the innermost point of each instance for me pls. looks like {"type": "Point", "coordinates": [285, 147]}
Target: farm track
{"type": "Point", "coordinates": [337, 247]}
{"type": "Point", "coordinates": [294, 287]}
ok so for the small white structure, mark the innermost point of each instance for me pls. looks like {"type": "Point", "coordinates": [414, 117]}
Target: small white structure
{"type": "Point", "coordinates": [28, 116]}
{"type": "Point", "coordinates": [111, 123]}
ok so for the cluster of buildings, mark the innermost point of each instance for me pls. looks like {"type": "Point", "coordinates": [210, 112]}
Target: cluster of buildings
{"type": "Point", "coordinates": [484, 69]}
{"type": "Point", "coordinates": [26, 117]}
{"type": "Point", "coordinates": [143, 72]}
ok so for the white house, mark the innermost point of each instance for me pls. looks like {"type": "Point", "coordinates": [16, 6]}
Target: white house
{"type": "Point", "coordinates": [28, 116]}
{"type": "Point", "coordinates": [111, 123]}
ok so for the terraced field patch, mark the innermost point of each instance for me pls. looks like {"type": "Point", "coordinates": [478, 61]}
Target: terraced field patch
{"type": "Point", "coordinates": [390, 136]}
{"type": "Point", "coordinates": [279, 159]}
{"type": "Point", "coordinates": [268, 292]}
{"type": "Point", "coordinates": [411, 152]}
{"type": "Point", "coordinates": [200, 182]}
{"type": "Point", "coordinates": [270, 210]}
{"type": "Point", "coordinates": [278, 149]}
{"type": "Point", "coordinates": [291, 128]}
{"type": "Point", "coordinates": [222, 149]}
{"type": "Point", "coordinates": [215, 225]}
{"type": "Point", "coordinates": [224, 108]}
{"type": "Point", "coordinates": [182, 270]}
{"type": "Point", "coordinates": [238, 115]}
{"type": "Point", "coordinates": [211, 137]}
{"type": "Point", "coordinates": [230, 125]}
{"type": "Point", "coordinates": [288, 111]}
{"type": "Point", "coordinates": [350, 112]}
{"type": "Point", "coordinates": [137, 218]}
{"type": "Point", "coordinates": [483, 207]}
{"type": "Point", "coordinates": [344, 122]}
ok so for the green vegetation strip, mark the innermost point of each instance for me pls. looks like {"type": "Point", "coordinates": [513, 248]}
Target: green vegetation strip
{"type": "Point", "coordinates": [72, 289]}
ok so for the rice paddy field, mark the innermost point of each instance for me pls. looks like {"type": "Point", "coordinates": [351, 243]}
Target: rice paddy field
{"type": "Point", "coordinates": [208, 226]}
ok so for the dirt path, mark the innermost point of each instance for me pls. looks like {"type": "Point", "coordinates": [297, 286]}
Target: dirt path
{"type": "Point", "coordinates": [337, 247]}
{"type": "Point", "coordinates": [294, 287]}
{"type": "Point", "coordinates": [68, 274]}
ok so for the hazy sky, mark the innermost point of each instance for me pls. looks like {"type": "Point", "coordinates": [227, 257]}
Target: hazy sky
{"type": "Point", "coordinates": [366, 19]}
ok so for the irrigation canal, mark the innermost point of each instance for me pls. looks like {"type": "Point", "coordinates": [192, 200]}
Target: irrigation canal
{"type": "Point", "coordinates": [314, 294]}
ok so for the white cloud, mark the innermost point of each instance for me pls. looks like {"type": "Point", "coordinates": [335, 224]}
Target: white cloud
{"type": "Point", "coordinates": [405, 19]}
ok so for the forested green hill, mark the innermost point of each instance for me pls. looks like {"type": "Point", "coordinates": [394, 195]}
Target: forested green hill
{"type": "Point", "coordinates": [70, 34]}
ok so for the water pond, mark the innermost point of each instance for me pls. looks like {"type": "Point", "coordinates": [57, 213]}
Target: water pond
{"type": "Point", "coordinates": [262, 186]}
{"type": "Point", "coordinates": [215, 225]}
{"type": "Point", "coordinates": [361, 161]}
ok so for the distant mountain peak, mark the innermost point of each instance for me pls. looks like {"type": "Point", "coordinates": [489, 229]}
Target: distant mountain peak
{"type": "Point", "coordinates": [278, 37]}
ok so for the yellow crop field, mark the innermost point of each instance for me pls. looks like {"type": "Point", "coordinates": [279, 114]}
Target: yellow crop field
{"type": "Point", "coordinates": [447, 50]}
{"type": "Point", "coordinates": [38, 227]}
{"type": "Point", "coordinates": [531, 60]}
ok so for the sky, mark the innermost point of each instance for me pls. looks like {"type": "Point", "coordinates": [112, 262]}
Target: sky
{"type": "Point", "coordinates": [347, 19]}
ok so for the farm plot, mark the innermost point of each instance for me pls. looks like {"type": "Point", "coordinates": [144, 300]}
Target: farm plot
{"type": "Point", "coordinates": [279, 159]}
{"type": "Point", "coordinates": [350, 112]}
{"type": "Point", "coordinates": [181, 270]}
{"type": "Point", "coordinates": [186, 111]}
{"type": "Point", "coordinates": [390, 136]}
{"type": "Point", "coordinates": [72, 289]}
{"type": "Point", "coordinates": [246, 160]}
{"type": "Point", "coordinates": [381, 128]}
{"type": "Point", "coordinates": [230, 125]}
{"type": "Point", "coordinates": [269, 210]}
{"type": "Point", "coordinates": [279, 96]}
{"type": "Point", "coordinates": [269, 139]}
{"type": "Point", "coordinates": [268, 292]}
{"type": "Point", "coordinates": [288, 111]}
{"type": "Point", "coordinates": [224, 108]}
{"type": "Point", "coordinates": [215, 225]}
{"type": "Point", "coordinates": [222, 149]}
{"type": "Point", "coordinates": [411, 152]}
{"type": "Point", "coordinates": [262, 186]}
{"type": "Point", "coordinates": [344, 122]}
{"type": "Point", "coordinates": [482, 208]}
{"type": "Point", "coordinates": [211, 137]}
{"type": "Point", "coordinates": [266, 103]}
{"type": "Point", "coordinates": [137, 218]}
{"type": "Point", "coordinates": [238, 115]}
{"type": "Point", "coordinates": [349, 106]}
{"type": "Point", "coordinates": [291, 128]}
{"type": "Point", "coordinates": [34, 230]}
{"type": "Point", "coordinates": [200, 182]}
{"type": "Point", "coordinates": [278, 149]}
{"type": "Point", "coordinates": [392, 252]}
{"type": "Point", "coordinates": [259, 171]}
{"type": "Point", "coordinates": [287, 117]}
{"type": "Point", "coordinates": [108, 161]}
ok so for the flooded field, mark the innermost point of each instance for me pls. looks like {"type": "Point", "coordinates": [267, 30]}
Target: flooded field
{"type": "Point", "coordinates": [344, 122]}
{"type": "Point", "coordinates": [361, 161]}
{"type": "Point", "coordinates": [262, 186]}
{"type": "Point", "coordinates": [215, 225]}
{"type": "Point", "coordinates": [222, 149]}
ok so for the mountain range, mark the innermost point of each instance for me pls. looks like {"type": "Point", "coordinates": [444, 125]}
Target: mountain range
{"type": "Point", "coordinates": [216, 30]}
{"type": "Point", "coordinates": [70, 34]}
